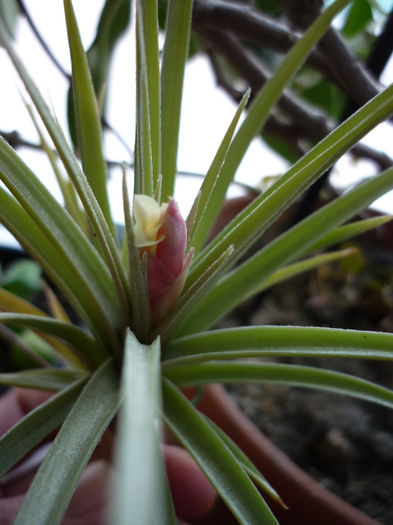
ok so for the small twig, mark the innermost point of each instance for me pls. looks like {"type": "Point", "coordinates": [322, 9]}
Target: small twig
{"type": "Point", "coordinates": [302, 122]}
{"type": "Point", "coordinates": [16, 141]}
{"type": "Point", "coordinates": [348, 71]}
{"type": "Point", "coordinates": [41, 40]}
{"type": "Point", "coordinates": [310, 122]}
{"type": "Point", "coordinates": [250, 25]}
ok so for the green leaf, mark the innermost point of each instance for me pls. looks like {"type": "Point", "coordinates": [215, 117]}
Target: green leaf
{"type": "Point", "coordinates": [177, 34]}
{"type": "Point", "coordinates": [147, 142]}
{"type": "Point", "coordinates": [256, 217]}
{"type": "Point", "coordinates": [281, 147]}
{"type": "Point", "coordinates": [328, 96]}
{"type": "Point", "coordinates": [138, 458]}
{"type": "Point", "coordinates": [248, 467]}
{"type": "Point", "coordinates": [78, 178]}
{"type": "Point", "coordinates": [71, 247]}
{"type": "Point", "coordinates": [87, 117]}
{"type": "Point", "coordinates": [214, 458]}
{"type": "Point", "coordinates": [11, 303]}
{"type": "Point", "coordinates": [71, 203]}
{"type": "Point", "coordinates": [139, 288]}
{"type": "Point", "coordinates": [148, 27]}
{"type": "Point", "coordinates": [360, 14]}
{"type": "Point", "coordinates": [43, 378]}
{"type": "Point", "coordinates": [9, 14]}
{"type": "Point", "coordinates": [248, 278]}
{"type": "Point", "coordinates": [22, 278]}
{"type": "Point", "coordinates": [114, 20]}
{"type": "Point", "coordinates": [57, 478]}
{"type": "Point", "coordinates": [36, 425]}
{"type": "Point", "coordinates": [295, 375]}
{"type": "Point", "coordinates": [270, 6]}
{"type": "Point", "coordinates": [302, 266]}
{"type": "Point", "coordinates": [348, 231]}
{"type": "Point", "coordinates": [278, 341]}
{"type": "Point", "coordinates": [86, 347]}
{"type": "Point", "coordinates": [206, 210]}
{"type": "Point", "coordinates": [256, 117]}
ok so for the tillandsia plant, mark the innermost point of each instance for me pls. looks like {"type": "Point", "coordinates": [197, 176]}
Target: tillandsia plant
{"type": "Point", "coordinates": [147, 302]}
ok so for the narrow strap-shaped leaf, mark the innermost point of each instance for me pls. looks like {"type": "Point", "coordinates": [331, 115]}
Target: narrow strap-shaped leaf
{"type": "Point", "coordinates": [84, 343]}
{"type": "Point", "coordinates": [206, 211]}
{"type": "Point", "coordinates": [114, 19]}
{"type": "Point", "coordinates": [278, 276]}
{"type": "Point", "coordinates": [348, 231]}
{"type": "Point", "coordinates": [66, 188]}
{"type": "Point", "coordinates": [78, 178]}
{"type": "Point", "coordinates": [302, 266]}
{"type": "Point", "coordinates": [261, 107]}
{"type": "Point", "coordinates": [296, 375]}
{"type": "Point", "coordinates": [280, 341]}
{"type": "Point", "coordinates": [20, 224]}
{"type": "Point", "coordinates": [139, 289]}
{"type": "Point", "coordinates": [56, 479]}
{"type": "Point", "coordinates": [143, 166]}
{"type": "Point", "coordinates": [257, 216]}
{"type": "Point", "coordinates": [177, 33]}
{"type": "Point", "coordinates": [52, 379]}
{"type": "Point", "coordinates": [87, 117]}
{"type": "Point", "coordinates": [248, 466]}
{"type": "Point", "coordinates": [138, 456]}
{"type": "Point", "coordinates": [55, 307]}
{"type": "Point", "coordinates": [248, 278]}
{"type": "Point", "coordinates": [148, 26]}
{"type": "Point", "coordinates": [216, 461]}
{"type": "Point", "coordinates": [63, 234]}
{"type": "Point", "coordinates": [13, 303]}
{"type": "Point", "coordinates": [36, 425]}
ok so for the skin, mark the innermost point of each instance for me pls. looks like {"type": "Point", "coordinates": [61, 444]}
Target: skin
{"type": "Point", "coordinates": [192, 493]}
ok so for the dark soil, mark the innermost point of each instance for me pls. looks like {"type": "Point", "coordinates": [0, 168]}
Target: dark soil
{"type": "Point", "coordinates": [345, 444]}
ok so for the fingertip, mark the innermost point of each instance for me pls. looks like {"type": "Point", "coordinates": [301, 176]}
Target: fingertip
{"type": "Point", "coordinates": [192, 493]}
{"type": "Point", "coordinates": [29, 398]}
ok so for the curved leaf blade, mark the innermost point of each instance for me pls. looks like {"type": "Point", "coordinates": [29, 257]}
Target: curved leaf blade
{"type": "Point", "coordinates": [36, 425]}
{"type": "Point", "coordinates": [139, 463]}
{"type": "Point", "coordinates": [295, 375]}
{"type": "Point", "coordinates": [43, 378]}
{"type": "Point", "coordinates": [86, 346]}
{"type": "Point", "coordinates": [80, 296]}
{"type": "Point", "coordinates": [56, 479]}
{"type": "Point", "coordinates": [257, 216]}
{"type": "Point", "coordinates": [206, 210]}
{"type": "Point", "coordinates": [87, 117]}
{"type": "Point", "coordinates": [278, 341]}
{"type": "Point", "coordinates": [214, 458]}
{"type": "Point", "coordinates": [78, 178]}
{"type": "Point", "coordinates": [249, 277]}
{"type": "Point", "coordinates": [177, 34]}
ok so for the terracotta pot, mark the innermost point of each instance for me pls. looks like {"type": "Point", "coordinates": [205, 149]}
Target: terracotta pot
{"type": "Point", "coordinates": [309, 503]}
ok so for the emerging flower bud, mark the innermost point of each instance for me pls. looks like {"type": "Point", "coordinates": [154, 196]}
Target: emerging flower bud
{"type": "Point", "coordinates": [160, 231]}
